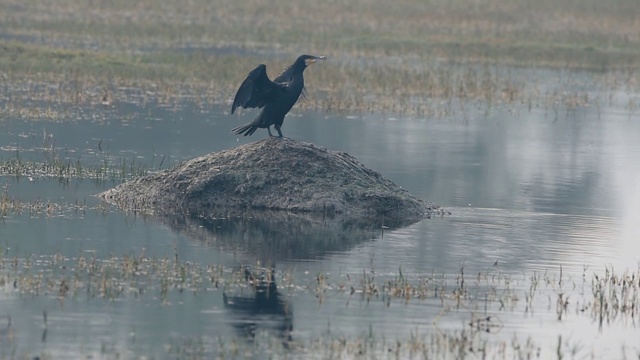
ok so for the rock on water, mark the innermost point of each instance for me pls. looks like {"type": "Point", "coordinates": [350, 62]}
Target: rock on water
{"type": "Point", "coordinates": [274, 174]}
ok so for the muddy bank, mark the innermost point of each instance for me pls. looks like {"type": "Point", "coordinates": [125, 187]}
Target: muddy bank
{"type": "Point", "coordinates": [270, 174]}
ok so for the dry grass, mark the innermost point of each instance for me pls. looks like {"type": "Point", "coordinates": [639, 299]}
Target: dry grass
{"type": "Point", "coordinates": [482, 299]}
{"type": "Point", "coordinates": [367, 27]}
{"type": "Point", "coordinates": [114, 170]}
{"type": "Point", "coordinates": [383, 57]}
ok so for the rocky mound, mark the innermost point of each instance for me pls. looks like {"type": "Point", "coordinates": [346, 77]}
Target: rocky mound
{"type": "Point", "coordinates": [274, 174]}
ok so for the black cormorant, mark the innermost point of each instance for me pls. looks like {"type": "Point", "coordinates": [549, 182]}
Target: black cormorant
{"type": "Point", "coordinates": [276, 97]}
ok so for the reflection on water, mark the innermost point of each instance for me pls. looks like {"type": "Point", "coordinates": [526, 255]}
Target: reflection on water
{"type": "Point", "coordinates": [270, 236]}
{"type": "Point", "coordinates": [260, 307]}
{"type": "Point", "coordinates": [531, 192]}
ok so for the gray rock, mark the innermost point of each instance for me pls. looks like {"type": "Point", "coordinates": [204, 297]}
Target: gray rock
{"type": "Point", "coordinates": [270, 174]}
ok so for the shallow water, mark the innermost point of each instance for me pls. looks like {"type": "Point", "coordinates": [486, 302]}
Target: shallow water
{"type": "Point", "coordinates": [553, 193]}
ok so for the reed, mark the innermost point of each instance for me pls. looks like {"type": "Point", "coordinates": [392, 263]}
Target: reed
{"type": "Point", "coordinates": [407, 58]}
{"type": "Point", "coordinates": [610, 296]}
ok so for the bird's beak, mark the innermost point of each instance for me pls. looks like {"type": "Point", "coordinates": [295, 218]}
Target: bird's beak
{"type": "Point", "coordinates": [312, 60]}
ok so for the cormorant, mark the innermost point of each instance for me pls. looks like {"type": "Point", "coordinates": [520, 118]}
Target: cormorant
{"type": "Point", "coordinates": [276, 97]}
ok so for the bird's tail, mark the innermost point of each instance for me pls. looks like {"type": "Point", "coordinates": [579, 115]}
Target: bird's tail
{"type": "Point", "coordinates": [246, 129]}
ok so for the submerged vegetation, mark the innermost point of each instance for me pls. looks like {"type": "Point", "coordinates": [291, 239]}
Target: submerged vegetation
{"type": "Point", "coordinates": [479, 300]}
{"type": "Point", "coordinates": [108, 170]}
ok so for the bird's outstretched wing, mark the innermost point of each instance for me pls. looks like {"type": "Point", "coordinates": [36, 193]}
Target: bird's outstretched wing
{"type": "Point", "coordinates": [256, 90]}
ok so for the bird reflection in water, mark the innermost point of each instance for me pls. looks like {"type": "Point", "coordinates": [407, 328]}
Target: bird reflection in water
{"type": "Point", "coordinates": [259, 306]}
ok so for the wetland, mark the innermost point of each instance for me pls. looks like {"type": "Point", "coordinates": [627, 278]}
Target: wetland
{"type": "Point", "coordinates": [525, 133]}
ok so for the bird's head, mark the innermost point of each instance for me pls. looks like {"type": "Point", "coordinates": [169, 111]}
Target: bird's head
{"type": "Point", "coordinates": [306, 60]}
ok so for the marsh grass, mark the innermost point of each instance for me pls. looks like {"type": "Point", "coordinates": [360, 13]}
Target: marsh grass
{"type": "Point", "coordinates": [64, 170]}
{"type": "Point", "coordinates": [454, 29]}
{"type": "Point", "coordinates": [57, 165]}
{"type": "Point", "coordinates": [109, 279]}
{"type": "Point", "coordinates": [436, 90]}
{"type": "Point", "coordinates": [410, 58]}
{"type": "Point", "coordinates": [607, 298]}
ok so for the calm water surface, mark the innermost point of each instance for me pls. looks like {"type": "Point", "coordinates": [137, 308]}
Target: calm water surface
{"type": "Point", "coordinates": [531, 192]}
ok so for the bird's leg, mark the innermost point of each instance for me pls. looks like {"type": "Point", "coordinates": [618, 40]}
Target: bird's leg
{"type": "Point", "coordinates": [278, 128]}
{"type": "Point", "coordinates": [269, 130]}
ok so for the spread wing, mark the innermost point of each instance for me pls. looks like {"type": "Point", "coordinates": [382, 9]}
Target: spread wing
{"type": "Point", "coordinates": [256, 90]}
